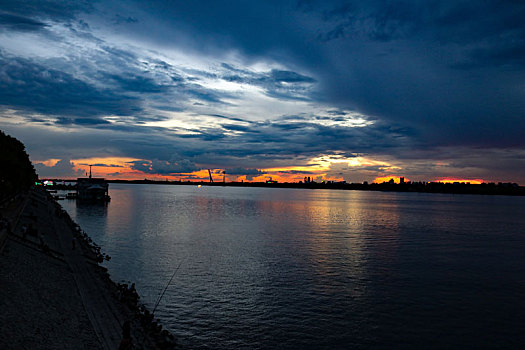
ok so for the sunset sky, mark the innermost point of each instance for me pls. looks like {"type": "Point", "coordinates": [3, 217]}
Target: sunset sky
{"type": "Point", "coordinates": [333, 90]}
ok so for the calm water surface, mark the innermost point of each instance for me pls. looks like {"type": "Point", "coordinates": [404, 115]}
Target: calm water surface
{"type": "Point", "coordinates": [319, 269]}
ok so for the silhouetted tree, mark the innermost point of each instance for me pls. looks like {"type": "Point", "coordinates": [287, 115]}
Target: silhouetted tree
{"type": "Point", "coordinates": [16, 171]}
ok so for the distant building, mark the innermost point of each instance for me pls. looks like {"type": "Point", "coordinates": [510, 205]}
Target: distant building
{"type": "Point", "coordinates": [401, 180]}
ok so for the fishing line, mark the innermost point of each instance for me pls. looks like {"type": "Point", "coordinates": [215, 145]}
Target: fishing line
{"type": "Point", "coordinates": [157, 302]}
{"type": "Point", "coordinates": [167, 285]}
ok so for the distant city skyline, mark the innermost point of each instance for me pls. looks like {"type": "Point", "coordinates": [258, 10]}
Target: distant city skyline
{"type": "Point", "coordinates": [220, 175]}
{"type": "Point", "coordinates": [334, 91]}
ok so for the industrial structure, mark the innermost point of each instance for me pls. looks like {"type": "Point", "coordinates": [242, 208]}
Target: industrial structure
{"type": "Point", "coordinates": [92, 189]}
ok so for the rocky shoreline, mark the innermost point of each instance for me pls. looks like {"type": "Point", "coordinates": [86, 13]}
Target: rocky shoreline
{"type": "Point", "coordinates": [55, 294]}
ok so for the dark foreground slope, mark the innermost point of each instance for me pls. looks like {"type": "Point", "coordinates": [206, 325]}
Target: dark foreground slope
{"type": "Point", "coordinates": [54, 294]}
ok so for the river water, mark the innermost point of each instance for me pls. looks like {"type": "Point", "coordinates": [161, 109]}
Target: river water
{"type": "Point", "coordinates": [266, 268]}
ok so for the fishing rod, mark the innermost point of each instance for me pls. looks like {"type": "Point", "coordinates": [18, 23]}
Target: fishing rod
{"type": "Point", "coordinates": [165, 288]}
{"type": "Point", "coordinates": [174, 273]}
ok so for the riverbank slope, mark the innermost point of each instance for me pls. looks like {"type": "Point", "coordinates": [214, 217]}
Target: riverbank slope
{"type": "Point", "coordinates": [54, 294]}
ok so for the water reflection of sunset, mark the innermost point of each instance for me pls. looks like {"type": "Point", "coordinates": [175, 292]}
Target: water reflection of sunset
{"type": "Point", "coordinates": [333, 239]}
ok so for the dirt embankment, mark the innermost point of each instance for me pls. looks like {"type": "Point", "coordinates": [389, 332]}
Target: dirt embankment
{"type": "Point", "coordinates": [54, 294]}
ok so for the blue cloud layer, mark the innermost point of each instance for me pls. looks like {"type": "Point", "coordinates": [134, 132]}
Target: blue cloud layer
{"type": "Point", "coordinates": [256, 84]}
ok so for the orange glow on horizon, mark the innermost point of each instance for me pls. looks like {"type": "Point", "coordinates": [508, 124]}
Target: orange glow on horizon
{"type": "Point", "coordinates": [397, 179]}
{"type": "Point", "coordinates": [452, 180]}
{"type": "Point", "coordinates": [108, 167]}
{"type": "Point", "coordinates": [121, 168]}
{"type": "Point", "coordinates": [317, 169]}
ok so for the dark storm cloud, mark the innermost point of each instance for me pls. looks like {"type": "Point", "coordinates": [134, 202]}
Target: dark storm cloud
{"type": "Point", "coordinates": [459, 22]}
{"type": "Point", "coordinates": [292, 126]}
{"type": "Point", "coordinates": [238, 128]}
{"type": "Point", "coordinates": [296, 172]}
{"type": "Point", "coordinates": [282, 84]}
{"type": "Point", "coordinates": [52, 9]}
{"type": "Point", "coordinates": [200, 93]}
{"type": "Point", "coordinates": [250, 173]}
{"type": "Point", "coordinates": [81, 121]}
{"type": "Point", "coordinates": [162, 167]}
{"type": "Point", "coordinates": [432, 75]}
{"type": "Point", "coordinates": [412, 48]}
{"type": "Point", "coordinates": [137, 83]}
{"type": "Point", "coordinates": [379, 23]}
{"type": "Point", "coordinates": [37, 120]}
{"type": "Point", "coordinates": [27, 85]}
{"type": "Point", "coordinates": [244, 171]}
{"type": "Point", "coordinates": [504, 54]}
{"type": "Point", "coordinates": [15, 22]}
{"type": "Point", "coordinates": [290, 77]}
{"type": "Point", "coordinates": [266, 145]}
{"type": "Point", "coordinates": [159, 79]}
{"type": "Point", "coordinates": [396, 60]}
{"type": "Point", "coordinates": [263, 79]}
{"type": "Point", "coordinates": [102, 164]}
{"type": "Point", "coordinates": [205, 135]}
{"type": "Point", "coordinates": [118, 19]}
{"type": "Point", "coordinates": [228, 118]}
{"type": "Point", "coordinates": [63, 168]}
{"type": "Point", "coordinates": [270, 140]}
